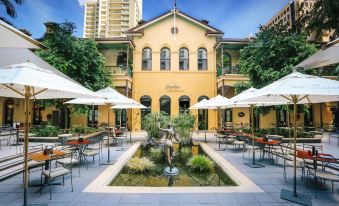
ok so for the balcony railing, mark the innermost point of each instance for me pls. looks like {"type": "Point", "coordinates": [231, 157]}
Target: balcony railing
{"type": "Point", "coordinates": [228, 70]}
{"type": "Point", "coordinates": [120, 70]}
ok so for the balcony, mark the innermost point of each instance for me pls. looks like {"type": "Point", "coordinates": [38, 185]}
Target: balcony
{"type": "Point", "coordinates": [229, 76]}
{"type": "Point", "coordinates": [228, 70]}
{"type": "Point", "coordinates": [120, 70]}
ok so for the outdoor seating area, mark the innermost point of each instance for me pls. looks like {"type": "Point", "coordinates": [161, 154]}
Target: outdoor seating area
{"type": "Point", "coordinates": [277, 169]}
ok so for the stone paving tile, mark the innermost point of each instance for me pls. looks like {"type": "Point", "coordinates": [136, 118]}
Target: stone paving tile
{"type": "Point", "coordinates": [130, 199]}
{"type": "Point", "coordinates": [149, 198]}
{"type": "Point", "coordinates": [226, 198]}
{"type": "Point", "coordinates": [230, 204]}
{"type": "Point", "coordinates": [264, 198]}
{"type": "Point", "coordinates": [206, 198]}
{"type": "Point", "coordinates": [165, 199]}
{"type": "Point", "coordinates": [187, 199]}
{"type": "Point", "coordinates": [245, 198]}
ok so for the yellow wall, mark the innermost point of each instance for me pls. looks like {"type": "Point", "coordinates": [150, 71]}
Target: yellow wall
{"type": "Point", "coordinates": [174, 83]}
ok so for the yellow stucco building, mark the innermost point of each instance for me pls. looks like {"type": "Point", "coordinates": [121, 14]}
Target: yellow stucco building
{"type": "Point", "coordinates": [168, 64]}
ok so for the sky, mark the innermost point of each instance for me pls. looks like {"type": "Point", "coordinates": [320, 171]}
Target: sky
{"type": "Point", "coordinates": [237, 18]}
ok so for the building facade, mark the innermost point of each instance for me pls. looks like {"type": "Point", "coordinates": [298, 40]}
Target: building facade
{"type": "Point", "coordinates": [292, 12]}
{"type": "Point", "coordinates": [110, 18]}
{"type": "Point", "coordinates": [168, 64]}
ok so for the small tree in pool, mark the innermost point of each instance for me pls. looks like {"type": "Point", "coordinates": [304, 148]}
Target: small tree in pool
{"type": "Point", "coordinates": [150, 124]}
{"type": "Point", "coordinates": [184, 126]}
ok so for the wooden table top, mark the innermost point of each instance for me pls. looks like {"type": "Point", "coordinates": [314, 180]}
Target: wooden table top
{"type": "Point", "coordinates": [77, 142]}
{"type": "Point", "coordinates": [40, 156]}
{"type": "Point", "coordinates": [269, 142]}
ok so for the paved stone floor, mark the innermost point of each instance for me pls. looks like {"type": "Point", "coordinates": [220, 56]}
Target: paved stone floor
{"type": "Point", "coordinates": [268, 178]}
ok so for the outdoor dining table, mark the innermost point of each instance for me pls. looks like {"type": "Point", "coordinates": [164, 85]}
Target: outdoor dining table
{"type": "Point", "coordinates": [325, 160]}
{"type": "Point", "coordinates": [269, 143]}
{"type": "Point", "coordinates": [40, 156]}
{"type": "Point", "coordinates": [80, 146]}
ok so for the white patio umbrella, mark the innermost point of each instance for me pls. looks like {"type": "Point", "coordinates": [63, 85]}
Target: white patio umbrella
{"type": "Point", "coordinates": [108, 97]}
{"type": "Point", "coordinates": [203, 104]}
{"type": "Point", "coordinates": [324, 57]}
{"type": "Point", "coordinates": [251, 105]}
{"type": "Point", "coordinates": [29, 81]}
{"type": "Point", "coordinates": [297, 88]}
{"type": "Point", "coordinates": [218, 102]}
{"type": "Point", "coordinates": [136, 105]}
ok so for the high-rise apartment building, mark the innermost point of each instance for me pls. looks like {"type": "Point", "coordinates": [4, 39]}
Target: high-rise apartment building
{"type": "Point", "coordinates": [292, 12]}
{"type": "Point", "coordinates": [110, 18]}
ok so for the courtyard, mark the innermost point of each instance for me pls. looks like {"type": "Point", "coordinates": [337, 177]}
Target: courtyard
{"type": "Point", "coordinates": [269, 179]}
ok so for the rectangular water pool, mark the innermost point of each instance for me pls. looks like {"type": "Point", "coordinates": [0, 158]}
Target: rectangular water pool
{"type": "Point", "coordinates": [186, 178]}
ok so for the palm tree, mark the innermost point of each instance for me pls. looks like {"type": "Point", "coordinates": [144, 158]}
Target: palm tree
{"type": "Point", "coordinates": [10, 9]}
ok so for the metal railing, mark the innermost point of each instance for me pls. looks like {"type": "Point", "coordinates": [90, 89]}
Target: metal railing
{"type": "Point", "coordinates": [120, 70]}
{"type": "Point", "coordinates": [228, 70]}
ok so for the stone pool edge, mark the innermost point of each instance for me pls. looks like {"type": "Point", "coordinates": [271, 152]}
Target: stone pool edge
{"type": "Point", "coordinates": [101, 183]}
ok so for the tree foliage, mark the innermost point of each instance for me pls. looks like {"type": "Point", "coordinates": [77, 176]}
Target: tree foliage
{"type": "Point", "coordinates": [9, 6]}
{"type": "Point", "coordinates": [322, 18]}
{"type": "Point", "coordinates": [241, 86]}
{"type": "Point", "coordinates": [77, 58]}
{"type": "Point", "coordinates": [273, 54]}
{"type": "Point", "coordinates": [184, 126]}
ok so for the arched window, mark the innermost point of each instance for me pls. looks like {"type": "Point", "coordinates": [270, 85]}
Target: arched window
{"type": "Point", "coordinates": [165, 59]}
{"type": "Point", "coordinates": [202, 116]}
{"type": "Point", "coordinates": [147, 59]}
{"type": "Point", "coordinates": [122, 59]}
{"type": "Point", "coordinates": [165, 104]}
{"type": "Point", "coordinates": [183, 59]}
{"type": "Point", "coordinates": [147, 102]}
{"type": "Point", "coordinates": [202, 59]}
{"type": "Point", "coordinates": [184, 104]}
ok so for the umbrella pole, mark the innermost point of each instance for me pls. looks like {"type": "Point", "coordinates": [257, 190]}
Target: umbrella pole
{"type": "Point", "coordinates": [293, 196]}
{"type": "Point", "coordinates": [130, 127]}
{"type": "Point", "coordinates": [295, 100]}
{"type": "Point", "coordinates": [108, 132]}
{"type": "Point", "coordinates": [93, 116]}
{"type": "Point", "coordinates": [27, 96]}
{"type": "Point", "coordinates": [252, 125]}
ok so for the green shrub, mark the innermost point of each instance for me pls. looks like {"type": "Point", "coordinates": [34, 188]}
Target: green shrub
{"type": "Point", "coordinates": [200, 163]}
{"type": "Point", "coordinates": [84, 130]}
{"type": "Point", "coordinates": [156, 154]}
{"type": "Point", "coordinates": [185, 153]}
{"type": "Point", "coordinates": [46, 131]}
{"type": "Point", "coordinates": [140, 165]}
